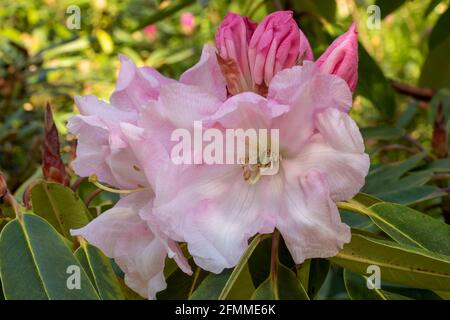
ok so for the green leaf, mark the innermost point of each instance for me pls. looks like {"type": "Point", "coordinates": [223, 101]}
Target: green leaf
{"type": "Point", "coordinates": [318, 270]}
{"type": "Point", "coordinates": [259, 262]}
{"type": "Point", "coordinates": [413, 195]}
{"type": "Point", "coordinates": [382, 133]}
{"type": "Point", "coordinates": [34, 262]}
{"type": "Point", "coordinates": [410, 227]}
{"type": "Point", "coordinates": [374, 85]}
{"type": "Point", "coordinates": [399, 263]}
{"type": "Point", "coordinates": [440, 30]}
{"type": "Point", "coordinates": [435, 72]}
{"type": "Point", "coordinates": [408, 115]}
{"type": "Point", "coordinates": [440, 166]}
{"type": "Point", "coordinates": [378, 178]}
{"type": "Point", "coordinates": [318, 8]}
{"type": "Point", "coordinates": [100, 271]}
{"type": "Point", "coordinates": [212, 286]}
{"type": "Point", "coordinates": [60, 206]}
{"type": "Point", "coordinates": [288, 287]}
{"type": "Point", "coordinates": [357, 289]}
{"type": "Point", "coordinates": [410, 189]}
{"type": "Point", "coordinates": [180, 285]}
{"type": "Point", "coordinates": [240, 266]}
{"type": "Point", "coordinates": [389, 6]}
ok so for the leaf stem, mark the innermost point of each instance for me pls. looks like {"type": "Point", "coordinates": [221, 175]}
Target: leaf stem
{"type": "Point", "coordinates": [274, 263]}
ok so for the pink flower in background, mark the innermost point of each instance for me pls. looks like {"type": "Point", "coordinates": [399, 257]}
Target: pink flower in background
{"type": "Point", "coordinates": [187, 22]}
{"type": "Point", "coordinates": [258, 77]}
{"type": "Point", "coordinates": [151, 32]}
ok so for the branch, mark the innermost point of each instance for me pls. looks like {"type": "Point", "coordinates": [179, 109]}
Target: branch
{"type": "Point", "coordinates": [422, 94]}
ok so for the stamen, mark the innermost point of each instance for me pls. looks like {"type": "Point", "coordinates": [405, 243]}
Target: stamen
{"type": "Point", "coordinates": [94, 180]}
{"type": "Point", "coordinates": [252, 174]}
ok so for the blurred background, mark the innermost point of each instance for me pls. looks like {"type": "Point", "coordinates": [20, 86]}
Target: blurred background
{"type": "Point", "coordinates": [51, 50]}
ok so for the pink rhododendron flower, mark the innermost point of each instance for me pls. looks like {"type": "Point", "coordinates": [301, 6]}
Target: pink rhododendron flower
{"type": "Point", "coordinates": [187, 22]}
{"type": "Point", "coordinates": [216, 208]}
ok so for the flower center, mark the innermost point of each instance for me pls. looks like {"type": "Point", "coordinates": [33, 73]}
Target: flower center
{"type": "Point", "coordinates": [268, 164]}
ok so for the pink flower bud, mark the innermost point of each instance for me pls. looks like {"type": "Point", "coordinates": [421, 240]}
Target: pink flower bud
{"type": "Point", "coordinates": [187, 21]}
{"type": "Point", "coordinates": [341, 57]}
{"type": "Point", "coordinates": [274, 46]}
{"type": "Point", "coordinates": [232, 39]}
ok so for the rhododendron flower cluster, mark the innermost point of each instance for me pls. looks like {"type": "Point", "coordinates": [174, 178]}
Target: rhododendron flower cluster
{"type": "Point", "coordinates": [257, 76]}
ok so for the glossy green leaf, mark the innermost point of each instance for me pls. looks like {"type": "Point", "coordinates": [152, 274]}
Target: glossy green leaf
{"type": "Point", "coordinates": [314, 276]}
{"type": "Point", "coordinates": [379, 177]}
{"type": "Point", "coordinates": [374, 85]}
{"type": "Point", "coordinates": [357, 289]}
{"type": "Point", "coordinates": [399, 263]}
{"type": "Point", "coordinates": [240, 266]}
{"type": "Point", "coordinates": [100, 271]}
{"type": "Point", "coordinates": [212, 286]}
{"type": "Point", "coordinates": [35, 263]}
{"type": "Point", "coordinates": [287, 287]}
{"type": "Point", "coordinates": [413, 195]}
{"type": "Point", "coordinates": [60, 206]}
{"type": "Point", "coordinates": [411, 227]}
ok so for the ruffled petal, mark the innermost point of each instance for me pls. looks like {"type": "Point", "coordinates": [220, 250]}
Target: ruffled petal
{"type": "Point", "coordinates": [207, 75]}
{"type": "Point", "coordinates": [136, 86]}
{"type": "Point", "coordinates": [215, 212]}
{"type": "Point", "coordinates": [310, 223]}
{"type": "Point", "coordinates": [340, 131]}
{"type": "Point", "coordinates": [182, 104]}
{"type": "Point", "coordinates": [344, 172]}
{"type": "Point", "coordinates": [122, 235]}
{"type": "Point", "coordinates": [248, 110]}
{"type": "Point", "coordinates": [307, 91]}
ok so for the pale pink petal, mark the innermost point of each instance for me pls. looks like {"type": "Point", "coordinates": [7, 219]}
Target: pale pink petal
{"type": "Point", "coordinates": [307, 91]}
{"type": "Point", "coordinates": [136, 86]}
{"type": "Point", "coordinates": [207, 75]}
{"type": "Point", "coordinates": [215, 212]}
{"type": "Point", "coordinates": [122, 235]}
{"type": "Point", "coordinates": [183, 104]}
{"type": "Point", "coordinates": [311, 225]}
{"type": "Point", "coordinates": [248, 110]}
{"type": "Point", "coordinates": [343, 171]}
{"type": "Point", "coordinates": [340, 131]}
{"type": "Point", "coordinates": [148, 150]}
